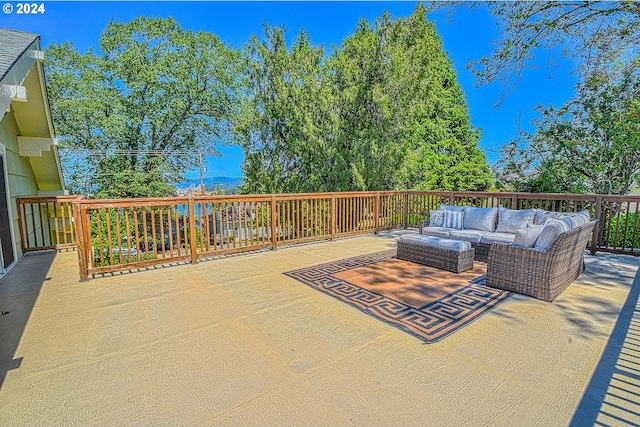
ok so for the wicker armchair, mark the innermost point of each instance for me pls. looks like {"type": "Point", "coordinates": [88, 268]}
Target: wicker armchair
{"type": "Point", "coordinates": [543, 275]}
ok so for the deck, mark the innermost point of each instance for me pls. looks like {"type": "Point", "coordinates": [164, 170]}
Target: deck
{"type": "Point", "coordinates": [233, 341]}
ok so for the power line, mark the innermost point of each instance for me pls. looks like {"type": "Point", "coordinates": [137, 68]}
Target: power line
{"type": "Point", "coordinates": [102, 152]}
{"type": "Point", "coordinates": [118, 152]}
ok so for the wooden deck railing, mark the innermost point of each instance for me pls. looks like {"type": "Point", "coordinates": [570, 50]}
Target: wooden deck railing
{"type": "Point", "coordinates": [114, 235]}
{"type": "Point", "coordinates": [46, 222]}
{"type": "Point", "coordinates": [121, 234]}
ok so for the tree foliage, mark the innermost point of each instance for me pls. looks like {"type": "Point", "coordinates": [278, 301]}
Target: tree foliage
{"type": "Point", "coordinates": [287, 120]}
{"type": "Point", "coordinates": [151, 90]}
{"type": "Point", "coordinates": [597, 34]}
{"type": "Point", "coordinates": [383, 111]}
{"type": "Point", "coordinates": [591, 144]}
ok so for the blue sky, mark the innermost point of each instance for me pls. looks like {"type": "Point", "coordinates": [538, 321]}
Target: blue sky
{"type": "Point", "coordinates": [467, 36]}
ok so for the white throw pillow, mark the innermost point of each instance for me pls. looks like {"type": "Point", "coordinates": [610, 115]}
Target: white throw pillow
{"type": "Point", "coordinates": [483, 219]}
{"type": "Point", "coordinates": [579, 218]}
{"type": "Point", "coordinates": [453, 219]}
{"type": "Point", "coordinates": [542, 216]}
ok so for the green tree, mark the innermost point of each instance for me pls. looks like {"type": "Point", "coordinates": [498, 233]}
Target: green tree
{"type": "Point", "coordinates": [596, 34]}
{"type": "Point", "coordinates": [285, 125]}
{"type": "Point", "coordinates": [383, 111]}
{"type": "Point", "coordinates": [404, 121]}
{"type": "Point", "coordinates": [153, 90]}
{"type": "Point", "coordinates": [591, 144]}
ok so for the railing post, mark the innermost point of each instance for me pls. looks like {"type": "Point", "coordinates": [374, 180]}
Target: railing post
{"type": "Point", "coordinates": [377, 213]}
{"type": "Point", "coordinates": [514, 201]}
{"type": "Point", "coordinates": [21, 226]}
{"type": "Point", "coordinates": [81, 238]}
{"type": "Point", "coordinates": [595, 237]}
{"type": "Point", "coordinates": [192, 231]}
{"type": "Point", "coordinates": [405, 212]}
{"type": "Point", "coordinates": [274, 234]}
{"type": "Point", "coordinates": [332, 209]}
{"type": "Point", "coordinates": [452, 198]}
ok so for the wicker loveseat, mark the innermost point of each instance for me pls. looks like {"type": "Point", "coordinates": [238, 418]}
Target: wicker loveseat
{"type": "Point", "coordinates": [543, 275]}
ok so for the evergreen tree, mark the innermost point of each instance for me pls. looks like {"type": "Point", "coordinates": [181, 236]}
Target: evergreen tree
{"type": "Point", "coordinates": [283, 128]}
{"type": "Point", "coordinates": [384, 111]}
{"type": "Point", "coordinates": [404, 118]}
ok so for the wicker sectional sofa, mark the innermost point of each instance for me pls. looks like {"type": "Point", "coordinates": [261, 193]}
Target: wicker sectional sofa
{"type": "Point", "coordinates": [484, 226]}
{"type": "Point", "coordinates": [534, 252]}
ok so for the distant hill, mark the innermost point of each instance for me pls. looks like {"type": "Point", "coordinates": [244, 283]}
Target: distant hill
{"type": "Point", "coordinates": [210, 184]}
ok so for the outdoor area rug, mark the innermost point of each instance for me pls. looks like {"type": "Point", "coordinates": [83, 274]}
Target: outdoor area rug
{"type": "Point", "coordinates": [426, 302]}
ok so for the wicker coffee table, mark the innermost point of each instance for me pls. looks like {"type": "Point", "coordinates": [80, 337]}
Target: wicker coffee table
{"type": "Point", "coordinates": [446, 254]}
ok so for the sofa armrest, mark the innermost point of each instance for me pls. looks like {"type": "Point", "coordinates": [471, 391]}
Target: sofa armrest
{"type": "Point", "coordinates": [503, 254]}
{"type": "Point", "coordinates": [543, 275]}
{"type": "Point", "coordinates": [518, 269]}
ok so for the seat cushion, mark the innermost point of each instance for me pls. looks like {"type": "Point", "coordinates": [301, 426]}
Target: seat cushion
{"type": "Point", "coordinates": [510, 221]}
{"type": "Point", "coordinates": [483, 219]}
{"type": "Point", "coordinates": [466, 235]}
{"type": "Point", "coordinates": [436, 231]}
{"type": "Point", "coordinates": [497, 237]}
{"type": "Point", "coordinates": [436, 242]}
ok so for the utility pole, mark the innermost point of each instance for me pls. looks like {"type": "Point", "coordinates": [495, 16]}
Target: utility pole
{"type": "Point", "coordinates": [201, 173]}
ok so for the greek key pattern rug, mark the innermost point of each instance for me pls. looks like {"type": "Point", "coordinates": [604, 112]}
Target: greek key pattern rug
{"type": "Point", "coordinates": [426, 302]}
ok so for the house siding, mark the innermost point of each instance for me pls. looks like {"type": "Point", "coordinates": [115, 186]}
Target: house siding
{"type": "Point", "coordinates": [22, 181]}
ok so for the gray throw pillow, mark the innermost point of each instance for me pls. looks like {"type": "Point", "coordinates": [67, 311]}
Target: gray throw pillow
{"type": "Point", "coordinates": [510, 221]}
{"type": "Point", "coordinates": [444, 207]}
{"type": "Point", "coordinates": [483, 219]}
{"type": "Point", "coordinates": [436, 218]}
{"type": "Point", "coordinates": [542, 216]}
{"type": "Point", "coordinates": [550, 232]}
{"type": "Point", "coordinates": [527, 237]}
{"type": "Point", "coordinates": [565, 221]}
{"type": "Point", "coordinates": [453, 219]}
{"type": "Point", "coordinates": [579, 218]}
{"type": "Point", "coordinates": [586, 215]}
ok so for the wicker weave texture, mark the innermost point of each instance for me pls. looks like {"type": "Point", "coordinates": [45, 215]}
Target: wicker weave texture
{"type": "Point", "coordinates": [482, 251]}
{"type": "Point", "coordinates": [443, 259]}
{"type": "Point", "coordinates": [542, 275]}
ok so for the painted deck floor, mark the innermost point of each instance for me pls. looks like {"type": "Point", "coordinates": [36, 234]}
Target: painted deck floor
{"type": "Point", "coordinates": [234, 341]}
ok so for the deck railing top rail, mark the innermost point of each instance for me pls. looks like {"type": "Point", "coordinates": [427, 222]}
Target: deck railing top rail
{"type": "Point", "coordinates": [42, 199]}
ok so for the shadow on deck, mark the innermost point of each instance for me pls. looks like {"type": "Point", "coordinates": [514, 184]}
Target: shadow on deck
{"type": "Point", "coordinates": [18, 296]}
